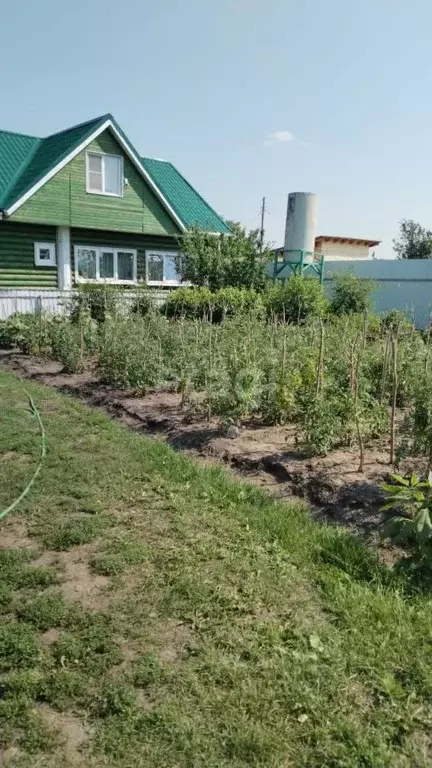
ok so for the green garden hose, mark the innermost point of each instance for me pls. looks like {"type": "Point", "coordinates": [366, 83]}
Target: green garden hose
{"type": "Point", "coordinates": [34, 412]}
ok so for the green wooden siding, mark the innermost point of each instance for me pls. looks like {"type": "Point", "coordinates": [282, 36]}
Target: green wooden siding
{"type": "Point", "coordinates": [17, 267]}
{"type": "Point", "coordinates": [140, 243]}
{"type": "Point", "coordinates": [64, 200]}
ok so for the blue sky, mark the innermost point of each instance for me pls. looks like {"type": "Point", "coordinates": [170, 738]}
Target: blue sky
{"type": "Point", "coordinates": [248, 98]}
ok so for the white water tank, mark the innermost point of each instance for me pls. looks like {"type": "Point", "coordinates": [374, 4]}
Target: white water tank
{"type": "Point", "coordinates": [300, 227]}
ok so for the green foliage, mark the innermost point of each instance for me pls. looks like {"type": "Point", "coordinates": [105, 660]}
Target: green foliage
{"type": "Point", "coordinates": [418, 422]}
{"type": "Point", "coordinates": [413, 242]}
{"type": "Point", "coordinates": [397, 322]}
{"type": "Point", "coordinates": [90, 647]}
{"type": "Point", "coordinates": [17, 572]}
{"type": "Point", "coordinates": [189, 302]}
{"type": "Point", "coordinates": [351, 295]}
{"type": "Point", "coordinates": [14, 331]}
{"type": "Point", "coordinates": [237, 353]}
{"type": "Point", "coordinates": [414, 526]}
{"type": "Point", "coordinates": [18, 645]}
{"type": "Point", "coordinates": [147, 670]}
{"type": "Point", "coordinates": [269, 636]}
{"type": "Point", "coordinates": [21, 724]}
{"type": "Point", "coordinates": [99, 301]}
{"type": "Point", "coordinates": [45, 612]}
{"type": "Point", "coordinates": [115, 699]}
{"type": "Point", "coordinates": [215, 261]}
{"type": "Point", "coordinates": [214, 306]}
{"type": "Point", "coordinates": [143, 303]}
{"type": "Point", "coordinates": [118, 556]}
{"type": "Point", "coordinates": [295, 300]}
{"type": "Point", "coordinates": [321, 425]}
{"type": "Point", "coordinates": [74, 532]}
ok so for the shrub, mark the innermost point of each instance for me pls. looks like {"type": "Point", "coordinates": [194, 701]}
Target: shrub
{"type": "Point", "coordinates": [143, 303]}
{"type": "Point", "coordinates": [215, 306]}
{"type": "Point", "coordinates": [230, 301]}
{"type": "Point", "coordinates": [351, 295]}
{"type": "Point", "coordinates": [418, 422]}
{"type": "Point", "coordinates": [397, 322]}
{"type": "Point", "coordinates": [14, 332]}
{"type": "Point", "coordinates": [99, 300]}
{"type": "Point", "coordinates": [296, 300]}
{"type": "Point", "coordinates": [189, 302]}
{"type": "Point", "coordinates": [413, 526]}
{"type": "Point", "coordinates": [217, 261]}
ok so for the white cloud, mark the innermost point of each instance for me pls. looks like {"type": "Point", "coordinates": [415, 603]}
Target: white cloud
{"type": "Point", "coordinates": [279, 137]}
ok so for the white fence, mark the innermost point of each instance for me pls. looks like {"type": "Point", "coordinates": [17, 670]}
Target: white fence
{"type": "Point", "coordinates": [404, 285]}
{"type": "Point", "coordinates": [52, 302]}
{"type": "Point", "coordinates": [15, 300]}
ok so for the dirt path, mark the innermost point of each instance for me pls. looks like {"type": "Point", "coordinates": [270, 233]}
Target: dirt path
{"type": "Point", "coordinates": [267, 456]}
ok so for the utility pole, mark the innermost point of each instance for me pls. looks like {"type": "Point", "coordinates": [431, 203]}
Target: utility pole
{"type": "Point", "coordinates": [263, 212]}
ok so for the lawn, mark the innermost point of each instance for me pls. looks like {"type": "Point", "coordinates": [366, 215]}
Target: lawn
{"type": "Point", "coordinates": [157, 613]}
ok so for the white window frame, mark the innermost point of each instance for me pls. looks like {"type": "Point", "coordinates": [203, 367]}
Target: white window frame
{"type": "Point", "coordinates": [169, 283]}
{"type": "Point", "coordinates": [98, 191]}
{"type": "Point", "coordinates": [99, 249]}
{"type": "Point", "coordinates": [51, 247]}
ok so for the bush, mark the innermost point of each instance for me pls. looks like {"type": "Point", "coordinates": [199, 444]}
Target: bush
{"type": "Point", "coordinates": [99, 300]}
{"type": "Point", "coordinates": [215, 306]}
{"type": "Point", "coordinates": [189, 302]}
{"type": "Point", "coordinates": [296, 300]}
{"type": "Point", "coordinates": [351, 295]}
{"type": "Point", "coordinates": [216, 261]}
{"type": "Point", "coordinates": [14, 332]}
{"type": "Point", "coordinates": [143, 303]}
{"type": "Point", "coordinates": [397, 322]}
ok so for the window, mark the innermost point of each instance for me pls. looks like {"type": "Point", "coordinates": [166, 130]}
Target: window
{"type": "Point", "coordinates": [104, 174]}
{"type": "Point", "coordinates": [45, 254]}
{"type": "Point", "coordinates": [161, 268]}
{"type": "Point", "coordinates": [105, 264]}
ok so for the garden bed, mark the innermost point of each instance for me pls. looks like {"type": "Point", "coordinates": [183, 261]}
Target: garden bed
{"type": "Point", "coordinates": [267, 456]}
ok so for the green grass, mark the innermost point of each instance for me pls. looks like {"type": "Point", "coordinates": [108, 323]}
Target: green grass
{"type": "Point", "coordinates": [226, 629]}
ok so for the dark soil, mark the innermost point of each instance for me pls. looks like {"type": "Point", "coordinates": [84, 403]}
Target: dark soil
{"type": "Point", "coordinates": [268, 456]}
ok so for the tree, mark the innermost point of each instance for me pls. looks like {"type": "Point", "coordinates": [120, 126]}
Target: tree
{"type": "Point", "coordinates": [351, 295]}
{"type": "Point", "coordinates": [414, 241]}
{"type": "Point", "coordinates": [218, 261]}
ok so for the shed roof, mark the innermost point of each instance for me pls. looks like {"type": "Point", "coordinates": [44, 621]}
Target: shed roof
{"type": "Point", "coordinates": [348, 240]}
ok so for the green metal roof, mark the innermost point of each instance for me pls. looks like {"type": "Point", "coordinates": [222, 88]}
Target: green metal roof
{"type": "Point", "coordinates": [42, 157]}
{"type": "Point", "coordinates": [26, 160]}
{"type": "Point", "coordinates": [14, 152]}
{"type": "Point", "coordinates": [191, 208]}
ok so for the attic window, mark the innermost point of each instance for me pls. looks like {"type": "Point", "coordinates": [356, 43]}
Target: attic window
{"type": "Point", "coordinates": [45, 254]}
{"type": "Point", "coordinates": [104, 174]}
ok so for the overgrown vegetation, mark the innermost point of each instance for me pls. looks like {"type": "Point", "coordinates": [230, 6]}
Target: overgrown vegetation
{"type": "Point", "coordinates": [235, 260]}
{"type": "Point", "coordinates": [282, 355]}
{"type": "Point", "coordinates": [231, 630]}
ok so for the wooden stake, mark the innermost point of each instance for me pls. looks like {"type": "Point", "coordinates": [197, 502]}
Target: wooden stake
{"type": "Point", "coordinates": [394, 347]}
{"type": "Point", "coordinates": [320, 367]}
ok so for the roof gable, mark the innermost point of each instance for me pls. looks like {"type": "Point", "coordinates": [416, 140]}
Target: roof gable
{"type": "Point", "coordinates": [47, 154]}
{"type": "Point", "coordinates": [27, 163]}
